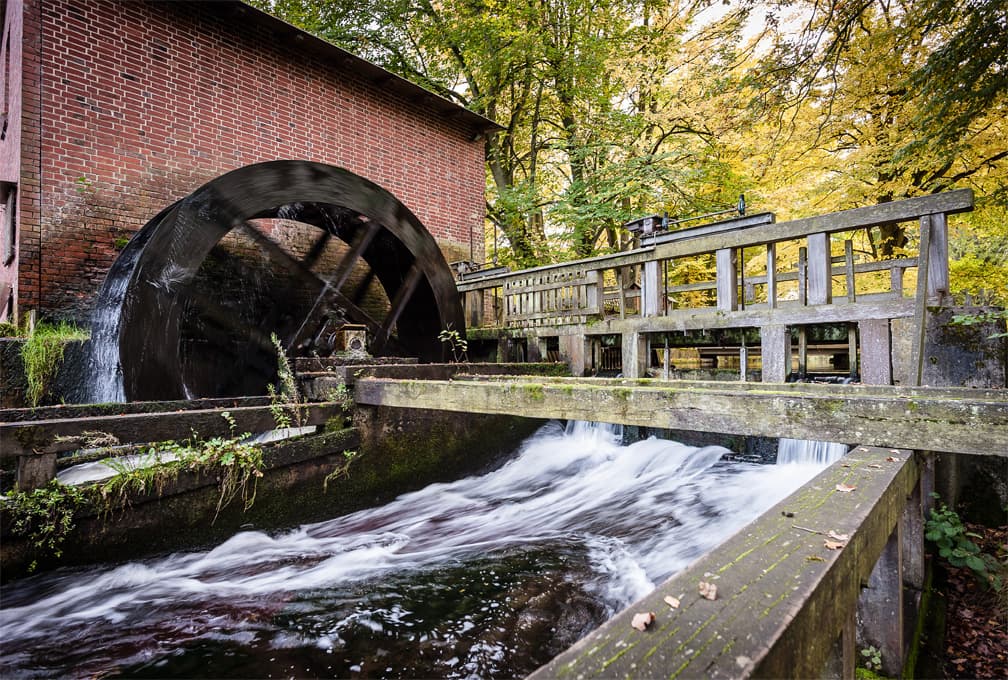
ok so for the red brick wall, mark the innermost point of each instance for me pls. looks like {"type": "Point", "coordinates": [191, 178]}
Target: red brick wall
{"type": "Point", "coordinates": [140, 103]}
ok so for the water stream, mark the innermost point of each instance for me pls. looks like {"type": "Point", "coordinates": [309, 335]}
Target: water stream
{"type": "Point", "coordinates": [488, 576]}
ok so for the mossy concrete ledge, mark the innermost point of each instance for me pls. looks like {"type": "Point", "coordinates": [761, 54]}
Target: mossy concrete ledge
{"type": "Point", "coordinates": [784, 597]}
{"type": "Point", "coordinates": [955, 420]}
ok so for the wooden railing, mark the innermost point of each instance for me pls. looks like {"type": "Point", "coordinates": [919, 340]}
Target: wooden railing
{"type": "Point", "coordinates": [636, 283]}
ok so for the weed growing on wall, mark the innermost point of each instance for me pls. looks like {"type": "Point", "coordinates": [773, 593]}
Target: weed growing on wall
{"type": "Point", "coordinates": [45, 516]}
{"type": "Point", "coordinates": [285, 398]}
{"type": "Point", "coordinates": [233, 460]}
{"type": "Point", "coordinates": [42, 353]}
{"type": "Point", "coordinates": [456, 343]}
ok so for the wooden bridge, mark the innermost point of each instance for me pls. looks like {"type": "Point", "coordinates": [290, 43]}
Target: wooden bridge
{"type": "Point", "coordinates": [630, 300]}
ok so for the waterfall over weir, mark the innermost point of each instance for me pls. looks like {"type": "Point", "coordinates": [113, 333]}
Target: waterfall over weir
{"type": "Point", "coordinates": [487, 576]}
{"type": "Point", "coordinates": [801, 451]}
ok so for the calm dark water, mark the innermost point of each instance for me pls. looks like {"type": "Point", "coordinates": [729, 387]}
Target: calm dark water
{"type": "Point", "coordinates": [486, 577]}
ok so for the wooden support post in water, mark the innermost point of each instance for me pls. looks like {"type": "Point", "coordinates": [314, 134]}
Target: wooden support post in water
{"type": "Point", "coordinates": [634, 349]}
{"type": "Point", "coordinates": [802, 352]}
{"type": "Point", "coordinates": [536, 348]}
{"type": "Point", "coordinates": [876, 351]}
{"type": "Point", "coordinates": [852, 350]}
{"type": "Point", "coordinates": [35, 470]}
{"type": "Point", "coordinates": [775, 351]}
{"type": "Point", "coordinates": [880, 606]}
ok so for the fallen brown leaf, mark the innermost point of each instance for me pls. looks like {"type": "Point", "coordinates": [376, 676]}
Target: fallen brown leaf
{"type": "Point", "coordinates": [834, 545]}
{"type": "Point", "coordinates": [845, 488]}
{"type": "Point", "coordinates": [642, 620]}
{"type": "Point", "coordinates": [815, 558]}
{"type": "Point", "coordinates": [672, 601]}
{"type": "Point", "coordinates": [873, 465]}
{"type": "Point", "coordinates": [708, 590]}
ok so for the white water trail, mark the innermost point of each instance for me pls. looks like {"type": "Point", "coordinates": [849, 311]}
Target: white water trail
{"type": "Point", "coordinates": [639, 513]}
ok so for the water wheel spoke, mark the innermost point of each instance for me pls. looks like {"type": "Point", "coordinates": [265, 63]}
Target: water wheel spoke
{"type": "Point", "coordinates": [398, 305]}
{"type": "Point", "coordinates": [335, 283]}
{"type": "Point", "coordinates": [315, 252]}
{"type": "Point", "coordinates": [281, 257]}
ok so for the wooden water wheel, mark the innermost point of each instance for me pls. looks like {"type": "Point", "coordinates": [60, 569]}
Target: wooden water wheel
{"type": "Point", "coordinates": [286, 248]}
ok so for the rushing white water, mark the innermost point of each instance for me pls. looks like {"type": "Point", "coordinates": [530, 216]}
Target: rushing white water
{"type": "Point", "coordinates": [809, 452]}
{"type": "Point", "coordinates": [605, 522]}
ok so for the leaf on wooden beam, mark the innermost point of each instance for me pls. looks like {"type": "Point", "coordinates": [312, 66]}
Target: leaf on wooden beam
{"type": "Point", "coordinates": [672, 601]}
{"type": "Point", "coordinates": [892, 459]}
{"type": "Point", "coordinates": [834, 545]}
{"type": "Point", "coordinates": [838, 537]}
{"type": "Point", "coordinates": [845, 488]}
{"type": "Point", "coordinates": [708, 590]}
{"type": "Point", "coordinates": [642, 620]}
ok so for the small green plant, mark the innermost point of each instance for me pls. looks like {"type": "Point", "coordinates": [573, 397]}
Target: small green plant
{"type": "Point", "coordinates": [83, 185]}
{"type": "Point", "coordinates": [871, 658]}
{"type": "Point", "coordinates": [341, 470]}
{"type": "Point", "coordinates": [234, 461]}
{"type": "Point", "coordinates": [45, 516]}
{"type": "Point", "coordinates": [42, 353]}
{"type": "Point", "coordinates": [458, 345]}
{"type": "Point", "coordinates": [955, 545]}
{"type": "Point", "coordinates": [999, 317]}
{"type": "Point", "coordinates": [285, 397]}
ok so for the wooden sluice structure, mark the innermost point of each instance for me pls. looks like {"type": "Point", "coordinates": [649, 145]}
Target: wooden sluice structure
{"type": "Point", "coordinates": [567, 310]}
{"type": "Point", "coordinates": [788, 604]}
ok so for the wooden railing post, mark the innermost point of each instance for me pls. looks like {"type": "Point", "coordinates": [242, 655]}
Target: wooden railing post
{"type": "Point", "coordinates": [820, 290]}
{"type": "Point", "coordinates": [650, 290]}
{"type": "Point", "coordinates": [727, 280]}
{"type": "Point", "coordinates": [938, 263]}
{"type": "Point", "coordinates": [771, 273]}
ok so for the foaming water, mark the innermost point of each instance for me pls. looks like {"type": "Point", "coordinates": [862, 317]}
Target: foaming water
{"type": "Point", "coordinates": [488, 576]}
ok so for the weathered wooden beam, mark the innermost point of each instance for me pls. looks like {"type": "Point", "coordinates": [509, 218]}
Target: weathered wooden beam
{"type": "Point", "coordinates": [786, 314]}
{"type": "Point", "coordinates": [783, 596]}
{"type": "Point", "coordinates": [950, 420]}
{"type": "Point", "coordinates": [123, 408]}
{"type": "Point", "coordinates": [64, 434]}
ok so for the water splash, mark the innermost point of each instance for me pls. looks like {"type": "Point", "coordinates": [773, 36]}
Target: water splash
{"type": "Point", "coordinates": [488, 576]}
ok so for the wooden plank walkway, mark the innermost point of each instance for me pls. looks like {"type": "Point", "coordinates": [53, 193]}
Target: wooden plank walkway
{"type": "Point", "coordinates": [955, 420]}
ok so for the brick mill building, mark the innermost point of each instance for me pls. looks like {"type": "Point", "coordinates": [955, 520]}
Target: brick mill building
{"type": "Point", "coordinates": [114, 110]}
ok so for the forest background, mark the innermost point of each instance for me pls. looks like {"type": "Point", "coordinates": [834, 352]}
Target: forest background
{"type": "Point", "coordinates": [615, 109]}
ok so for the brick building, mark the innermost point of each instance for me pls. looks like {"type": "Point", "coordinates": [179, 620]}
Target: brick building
{"type": "Point", "coordinates": [114, 110]}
